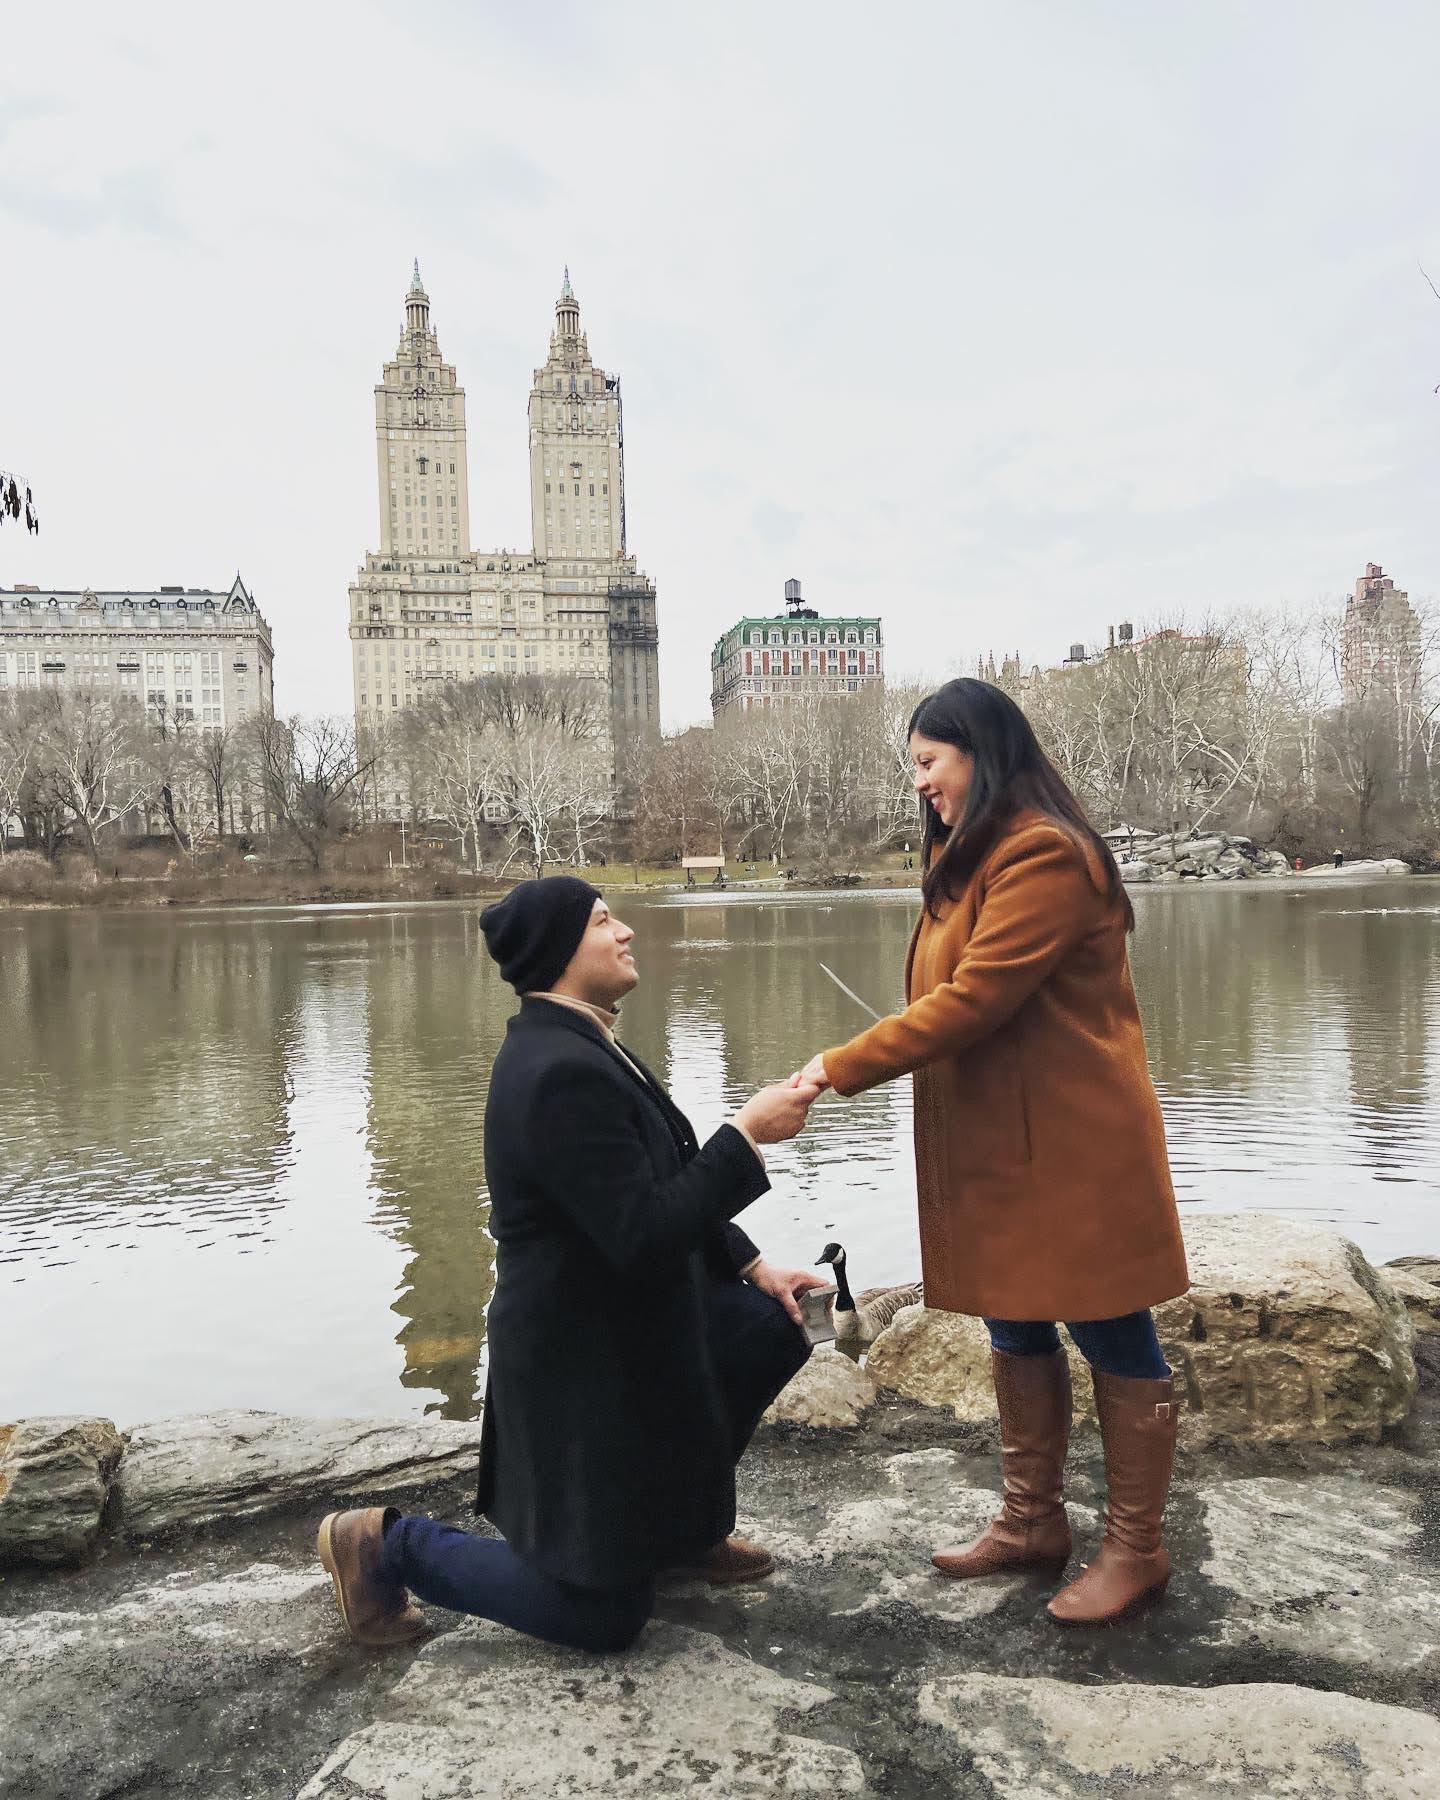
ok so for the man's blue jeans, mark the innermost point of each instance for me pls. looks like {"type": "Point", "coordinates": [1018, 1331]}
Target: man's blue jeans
{"type": "Point", "coordinates": [1126, 1346]}
{"type": "Point", "coordinates": [755, 1350]}
{"type": "Point", "coordinates": [483, 1575]}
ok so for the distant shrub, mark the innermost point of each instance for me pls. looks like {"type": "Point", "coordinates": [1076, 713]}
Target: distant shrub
{"type": "Point", "coordinates": [26, 875]}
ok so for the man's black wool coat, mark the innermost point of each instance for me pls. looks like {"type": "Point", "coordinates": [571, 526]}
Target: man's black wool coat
{"type": "Point", "coordinates": [606, 1450]}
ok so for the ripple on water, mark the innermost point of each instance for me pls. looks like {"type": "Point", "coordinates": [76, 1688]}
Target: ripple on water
{"type": "Point", "coordinates": [250, 1164]}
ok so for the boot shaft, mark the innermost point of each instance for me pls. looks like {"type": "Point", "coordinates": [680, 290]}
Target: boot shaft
{"type": "Point", "coordinates": [1138, 1424]}
{"type": "Point", "coordinates": [1033, 1399]}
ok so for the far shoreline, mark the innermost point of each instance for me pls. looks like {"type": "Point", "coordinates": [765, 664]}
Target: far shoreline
{"type": "Point", "coordinates": [441, 891]}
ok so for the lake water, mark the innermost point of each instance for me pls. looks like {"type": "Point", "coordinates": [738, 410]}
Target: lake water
{"type": "Point", "coordinates": [240, 1150]}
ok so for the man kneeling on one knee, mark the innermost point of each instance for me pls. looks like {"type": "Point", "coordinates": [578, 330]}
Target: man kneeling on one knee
{"type": "Point", "coordinates": [635, 1335]}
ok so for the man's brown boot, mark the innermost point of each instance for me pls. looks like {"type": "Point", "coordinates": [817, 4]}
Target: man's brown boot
{"type": "Point", "coordinates": [1032, 1531]}
{"type": "Point", "coordinates": [728, 1563]}
{"type": "Point", "coordinates": [375, 1611]}
{"type": "Point", "coordinates": [1137, 1427]}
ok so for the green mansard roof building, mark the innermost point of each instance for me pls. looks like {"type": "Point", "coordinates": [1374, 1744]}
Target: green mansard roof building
{"type": "Point", "coordinates": [767, 661]}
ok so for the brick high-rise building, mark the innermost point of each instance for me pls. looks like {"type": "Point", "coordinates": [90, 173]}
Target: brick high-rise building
{"type": "Point", "coordinates": [768, 661]}
{"type": "Point", "coordinates": [428, 608]}
{"type": "Point", "coordinates": [1380, 655]}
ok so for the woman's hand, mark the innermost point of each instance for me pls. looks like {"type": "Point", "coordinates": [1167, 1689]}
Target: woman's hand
{"type": "Point", "coordinates": [812, 1075]}
{"type": "Point", "coordinates": [784, 1285]}
{"type": "Point", "coordinates": [778, 1112]}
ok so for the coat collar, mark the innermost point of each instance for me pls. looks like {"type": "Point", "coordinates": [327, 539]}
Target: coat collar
{"type": "Point", "coordinates": [548, 1013]}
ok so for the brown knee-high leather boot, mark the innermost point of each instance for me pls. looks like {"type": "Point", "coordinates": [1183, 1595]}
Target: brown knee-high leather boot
{"type": "Point", "coordinates": [1033, 1397]}
{"type": "Point", "coordinates": [1137, 1427]}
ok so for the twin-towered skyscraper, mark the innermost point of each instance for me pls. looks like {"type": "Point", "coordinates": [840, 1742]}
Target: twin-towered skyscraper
{"type": "Point", "coordinates": [428, 608]}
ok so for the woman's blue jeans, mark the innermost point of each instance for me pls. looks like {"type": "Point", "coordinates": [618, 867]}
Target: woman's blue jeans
{"type": "Point", "coordinates": [1127, 1346]}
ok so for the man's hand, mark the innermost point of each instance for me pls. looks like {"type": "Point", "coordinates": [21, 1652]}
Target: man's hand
{"type": "Point", "coordinates": [785, 1285]}
{"type": "Point", "coordinates": [812, 1075]}
{"type": "Point", "coordinates": [778, 1112]}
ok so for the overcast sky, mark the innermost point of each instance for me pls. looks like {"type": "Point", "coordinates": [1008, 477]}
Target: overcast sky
{"type": "Point", "coordinates": [1005, 323]}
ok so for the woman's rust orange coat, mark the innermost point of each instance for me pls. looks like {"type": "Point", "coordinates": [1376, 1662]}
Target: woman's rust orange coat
{"type": "Point", "coordinates": [1044, 1186]}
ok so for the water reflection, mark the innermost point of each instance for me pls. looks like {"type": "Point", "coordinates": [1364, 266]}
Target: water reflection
{"type": "Point", "coordinates": [242, 1151]}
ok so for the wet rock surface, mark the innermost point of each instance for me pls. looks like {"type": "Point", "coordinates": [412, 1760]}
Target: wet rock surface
{"type": "Point", "coordinates": [1296, 1649]}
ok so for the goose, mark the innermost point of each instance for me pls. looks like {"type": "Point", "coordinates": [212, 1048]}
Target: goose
{"type": "Point", "coordinates": [860, 1318]}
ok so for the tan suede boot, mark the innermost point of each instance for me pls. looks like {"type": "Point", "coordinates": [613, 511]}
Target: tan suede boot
{"type": "Point", "coordinates": [1032, 1531]}
{"type": "Point", "coordinates": [1132, 1566]}
{"type": "Point", "coordinates": [375, 1611]}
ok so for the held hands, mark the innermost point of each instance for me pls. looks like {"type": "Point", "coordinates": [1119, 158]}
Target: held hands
{"type": "Point", "coordinates": [813, 1074]}
{"type": "Point", "coordinates": [779, 1111]}
{"type": "Point", "coordinates": [784, 1285]}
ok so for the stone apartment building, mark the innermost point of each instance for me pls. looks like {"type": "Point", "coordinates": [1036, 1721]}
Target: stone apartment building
{"type": "Point", "coordinates": [762, 662]}
{"type": "Point", "coordinates": [428, 608]}
{"type": "Point", "coordinates": [199, 655]}
{"type": "Point", "coordinates": [1380, 648]}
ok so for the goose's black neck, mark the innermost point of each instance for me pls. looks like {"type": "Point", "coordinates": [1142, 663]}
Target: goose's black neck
{"type": "Point", "coordinates": [843, 1300]}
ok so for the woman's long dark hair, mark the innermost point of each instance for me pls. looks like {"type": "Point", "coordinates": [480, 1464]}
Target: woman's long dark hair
{"type": "Point", "coordinates": [1012, 774]}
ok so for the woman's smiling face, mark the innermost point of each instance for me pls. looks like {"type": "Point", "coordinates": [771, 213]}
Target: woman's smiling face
{"type": "Point", "coordinates": [942, 776]}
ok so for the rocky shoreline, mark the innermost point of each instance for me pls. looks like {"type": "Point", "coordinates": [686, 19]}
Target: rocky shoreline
{"type": "Point", "coordinates": [1225, 856]}
{"type": "Point", "coordinates": [194, 1648]}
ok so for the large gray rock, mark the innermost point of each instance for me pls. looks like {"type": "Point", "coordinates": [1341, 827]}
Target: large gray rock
{"type": "Point", "coordinates": [488, 1715]}
{"type": "Point", "coordinates": [1287, 1335]}
{"type": "Point", "coordinates": [1426, 1268]}
{"type": "Point", "coordinates": [168, 1687]}
{"type": "Point", "coordinates": [187, 1472]}
{"type": "Point", "coordinates": [1323, 1568]}
{"type": "Point", "coordinates": [1363, 870]}
{"type": "Point", "coordinates": [1059, 1740]}
{"type": "Point", "coordinates": [937, 1358]}
{"type": "Point", "coordinates": [54, 1483]}
{"type": "Point", "coordinates": [1420, 1298]}
{"type": "Point", "coordinates": [859, 1555]}
{"type": "Point", "coordinates": [829, 1393]}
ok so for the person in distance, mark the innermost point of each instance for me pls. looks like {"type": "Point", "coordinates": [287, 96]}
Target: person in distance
{"type": "Point", "coordinates": [635, 1334]}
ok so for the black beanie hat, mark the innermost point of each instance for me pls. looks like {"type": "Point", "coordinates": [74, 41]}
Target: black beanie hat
{"type": "Point", "coordinates": [534, 931]}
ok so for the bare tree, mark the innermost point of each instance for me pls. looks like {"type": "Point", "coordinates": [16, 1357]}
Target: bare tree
{"type": "Point", "coordinates": [310, 770]}
{"type": "Point", "coordinates": [586, 795]}
{"type": "Point", "coordinates": [464, 762]}
{"type": "Point", "coordinates": [21, 727]}
{"type": "Point", "coordinates": [219, 753]}
{"type": "Point", "coordinates": [93, 748]}
{"type": "Point", "coordinates": [535, 782]}
{"type": "Point", "coordinates": [674, 796]}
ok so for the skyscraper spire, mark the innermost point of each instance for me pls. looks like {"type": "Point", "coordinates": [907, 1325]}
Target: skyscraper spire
{"type": "Point", "coordinates": [567, 310]}
{"type": "Point", "coordinates": [417, 303]}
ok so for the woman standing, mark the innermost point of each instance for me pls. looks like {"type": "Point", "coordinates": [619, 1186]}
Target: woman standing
{"type": "Point", "coordinates": [1043, 1182]}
